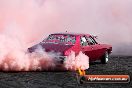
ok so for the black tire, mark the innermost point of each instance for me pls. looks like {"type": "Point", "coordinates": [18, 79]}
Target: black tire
{"type": "Point", "coordinates": [82, 80]}
{"type": "Point", "coordinates": [105, 58]}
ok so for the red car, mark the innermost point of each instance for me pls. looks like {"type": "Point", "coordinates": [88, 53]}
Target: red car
{"type": "Point", "coordinates": [64, 43]}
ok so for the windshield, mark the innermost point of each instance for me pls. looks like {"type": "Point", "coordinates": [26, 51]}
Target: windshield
{"type": "Point", "coordinates": [61, 38]}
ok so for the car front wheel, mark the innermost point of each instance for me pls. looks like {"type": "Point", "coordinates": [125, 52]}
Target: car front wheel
{"type": "Point", "coordinates": [105, 58]}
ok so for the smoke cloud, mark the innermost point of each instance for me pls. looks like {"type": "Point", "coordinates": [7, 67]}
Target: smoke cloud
{"type": "Point", "coordinates": [34, 19]}
{"type": "Point", "coordinates": [24, 23]}
{"type": "Point", "coordinates": [75, 62]}
{"type": "Point", "coordinates": [14, 57]}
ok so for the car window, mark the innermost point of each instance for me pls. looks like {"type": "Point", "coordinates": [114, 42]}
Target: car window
{"type": "Point", "coordinates": [61, 38]}
{"type": "Point", "coordinates": [91, 41]}
{"type": "Point", "coordinates": [84, 41]}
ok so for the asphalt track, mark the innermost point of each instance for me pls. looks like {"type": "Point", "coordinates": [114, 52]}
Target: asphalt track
{"type": "Point", "coordinates": [67, 79]}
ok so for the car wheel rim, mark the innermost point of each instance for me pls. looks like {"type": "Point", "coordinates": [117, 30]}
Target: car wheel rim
{"type": "Point", "coordinates": [106, 57]}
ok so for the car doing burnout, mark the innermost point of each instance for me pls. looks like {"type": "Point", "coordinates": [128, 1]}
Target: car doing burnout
{"type": "Point", "coordinates": [64, 43]}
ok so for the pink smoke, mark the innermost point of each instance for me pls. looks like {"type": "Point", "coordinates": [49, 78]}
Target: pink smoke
{"type": "Point", "coordinates": [75, 62]}
{"type": "Point", "coordinates": [14, 57]}
{"type": "Point", "coordinates": [110, 20]}
{"type": "Point", "coordinates": [24, 23]}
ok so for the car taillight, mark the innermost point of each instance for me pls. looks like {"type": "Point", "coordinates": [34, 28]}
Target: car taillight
{"type": "Point", "coordinates": [67, 53]}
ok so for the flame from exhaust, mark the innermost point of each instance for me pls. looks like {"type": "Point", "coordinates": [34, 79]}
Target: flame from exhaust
{"type": "Point", "coordinates": [81, 72]}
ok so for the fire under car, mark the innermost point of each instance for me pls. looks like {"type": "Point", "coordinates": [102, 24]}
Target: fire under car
{"type": "Point", "coordinates": [64, 43]}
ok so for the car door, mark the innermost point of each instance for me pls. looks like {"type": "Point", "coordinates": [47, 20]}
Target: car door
{"type": "Point", "coordinates": [85, 48]}
{"type": "Point", "coordinates": [94, 47]}
{"type": "Point", "coordinates": [100, 48]}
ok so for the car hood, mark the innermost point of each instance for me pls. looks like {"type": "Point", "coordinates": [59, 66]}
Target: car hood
{"type": "Point", "coordinates": [48, 47]}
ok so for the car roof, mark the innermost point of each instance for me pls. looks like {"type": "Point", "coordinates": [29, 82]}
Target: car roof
{"type": "Point", "coordinates": [76, 34]}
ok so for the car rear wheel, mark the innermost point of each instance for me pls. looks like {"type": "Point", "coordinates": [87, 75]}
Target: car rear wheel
{"type": "Point", "coordinates": [105, 58]}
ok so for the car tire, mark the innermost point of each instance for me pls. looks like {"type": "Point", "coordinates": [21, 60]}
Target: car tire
{"type": "Point", "coordinates": [105, 58]}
